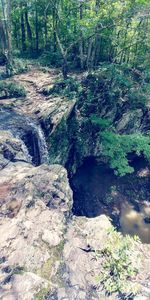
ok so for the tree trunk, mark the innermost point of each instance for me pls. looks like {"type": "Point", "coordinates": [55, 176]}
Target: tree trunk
{"type": "Point", "coordinates": [46, 32]}
{"type": "Point", "coordinates": [64, 55]}
{"type": "Point", "coordinates": [54, 29]}
{"type": "Point", "coordinates": [29, 31]}
{"type": "Point", "coordinates": [36, 29]}
{"type": "Point", "coordinates": [81, 44]}
{"type": "Point", "coordinates": [23, 31]}
{"type": "Point", "coordinates": [6, 10]}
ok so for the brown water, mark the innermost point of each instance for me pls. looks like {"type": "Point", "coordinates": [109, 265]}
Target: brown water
{"type": "Point", "coordinates": [134, 223]}
{"type": "Point", "coordinates": [125, 200]}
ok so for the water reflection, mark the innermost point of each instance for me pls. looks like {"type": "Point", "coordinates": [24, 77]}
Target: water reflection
{"type": "Point", "coordinates": [125, 200]}
{"type": "Point", "coordinates": [136, 223]}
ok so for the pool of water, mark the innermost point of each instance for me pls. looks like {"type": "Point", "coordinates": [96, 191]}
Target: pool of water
{"type": "Point", "coordinates": [125, 200]}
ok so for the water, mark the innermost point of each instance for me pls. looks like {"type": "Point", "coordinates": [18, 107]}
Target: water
{"type": "Point", "coordinates": [136, 222]}
{"type": "Point", "coordinates": [29, 132]}
{"type": "Point", "coordinates": [26, 152]}
{"type": "Point", "coordinates": [125, 200]}
{"type": "Point", "coordinates": [43, 151]}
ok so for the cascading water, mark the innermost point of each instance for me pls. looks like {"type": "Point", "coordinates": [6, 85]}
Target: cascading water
{"type": "Point", "coordinates": [42, 146]}
{"type": "Point", "coordinates": [30, 134]}
{"type": "Point", "coordinates": [26, 152]}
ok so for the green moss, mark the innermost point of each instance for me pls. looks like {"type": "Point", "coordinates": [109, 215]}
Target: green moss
{"type": "Point", "coordinates": [55, 255]}
{"type": "Point", "coordinates": [46, 270]}
{"type": "Point", "coordinates": [59, 144]}
{"type": "Point", "coordinates": [41, 294]}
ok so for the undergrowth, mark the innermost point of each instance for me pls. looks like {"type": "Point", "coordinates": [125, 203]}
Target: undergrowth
{"type": "Point", "coordinates": [69, 88]}
{"type": "Point", "coordinates": [118, 272]}
{"type": "Point", "coordinates": [11, 90]}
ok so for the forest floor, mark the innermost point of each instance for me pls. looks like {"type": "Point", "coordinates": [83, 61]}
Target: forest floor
{"type": "Point", "coordinates": [36, 104]}
{"type": "Point", "coordinates": [34, 81]}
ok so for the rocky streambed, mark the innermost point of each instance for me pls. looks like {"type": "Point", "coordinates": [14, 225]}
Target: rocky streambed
{"type": "Point", "coordinates": [44, 244]}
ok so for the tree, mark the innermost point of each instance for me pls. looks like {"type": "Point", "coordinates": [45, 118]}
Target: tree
{"type": "Point", "coordinates": [80, 33]}
{"type": "Point", "coordinates": [6, 34]}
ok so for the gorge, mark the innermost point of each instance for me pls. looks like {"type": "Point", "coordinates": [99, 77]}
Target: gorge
{"type": "Point", "coordinates": [57, 197]}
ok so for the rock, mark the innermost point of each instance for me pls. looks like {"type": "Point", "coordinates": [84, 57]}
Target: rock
{"type": "Point", "coordinates": [29, 134]}
{"type": "Point", "coordinates": [31, 233]}
{"type": "Point", "coordinates": [44, 253]}
{"type": "Point", "coordinates": [24, 287]}
{"type": "Point", "coordinates": [11, 149]}
{"type": "Point", "coordinates": [47, 183]}
{"type": "Point", "coordinates": [81, 266]}
{"type": "Point", "coordinates": [130, 121]}
{"type": "Point", "coordinates": [96, 230]}
{"type": "Point", "coordinates": [51, 238]}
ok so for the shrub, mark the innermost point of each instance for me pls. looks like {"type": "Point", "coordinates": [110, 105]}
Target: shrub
{"type": "Point", "coordinates": [100, 122]}
{"type": "Point", "coordinates": [118, 268]}
{"type": "Point", "coordinates": [116, 147]}
{"type": "Point", "coordinates": [11, 90]}
{"type": "Point", "coordinates": [112, 83]}
{"type": "Point", "coordinates": [19, 66]}
{"type": "Point", "coordinates": [69, 88]}
{"type": "Point", "coordinates": [50, 59]}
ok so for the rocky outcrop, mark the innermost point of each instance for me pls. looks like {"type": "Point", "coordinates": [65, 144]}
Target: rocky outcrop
{"type": "Point", "coordinates": [34, 206]}
{"type": "Point", "coordinates": [45, 253]}
{"type": "Point", "coordinates": [82, 265]}
{"type": "Point", "coordinates": [11, 149]}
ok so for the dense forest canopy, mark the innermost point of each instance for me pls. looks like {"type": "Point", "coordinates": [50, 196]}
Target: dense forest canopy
{"type": "Point", "coordinates": [83, 33]}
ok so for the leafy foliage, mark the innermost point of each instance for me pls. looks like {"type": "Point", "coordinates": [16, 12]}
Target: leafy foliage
{"type": "Point", "coordinates": [11, 90]}
{"type": "Point", "coordinates": [100, 122]}
{"type": "Point", "coordinates": [118, 269]}
{"type": "Point", "coordinates": [91, 31]}
{"type": "Point", "coordinates": [19, 66]}
{"type": "Point", "coordinates": [69, 88]}
{"type": "Point", "coordinates": [113, 84]}
{"type": "Point", "coordinates": [116, 147]}
{"type": "Point", "coordinates": [50, 59]}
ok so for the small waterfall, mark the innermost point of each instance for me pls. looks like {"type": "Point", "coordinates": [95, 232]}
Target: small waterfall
{"type": "Point", "coordinates": [40, 151]}
{"type": "Point", "coordinates": [26, 152]}
{"type": "Point", "coordinates": [29, 132]}
{"type": "Point", "coordinates": [35, 142]}
{"type": "Point", "coordinates": [42, 146]}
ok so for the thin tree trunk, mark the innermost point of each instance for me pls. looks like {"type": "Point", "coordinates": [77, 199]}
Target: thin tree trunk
{"type": "Point", "coordinates": [46, 32]}
{"type": "Point", "coordinates": [81, 43]}
{"type": "Point", "coordinates": [6, 9]}
{"type": "Point", "coordinates": [64, 55]}
{"type": "Point", "coordinates": [23, 31]}
{"type": "Point", "coordinates": [29, 31]}
{"type": "Point", "coordinates": [88, 62]}
{"type": "Point", "coordinates": [16, 35]}
{"type": "Point", "coordinates": [36, 28]}
{"type": "Point", "coordinates": [54, 29]}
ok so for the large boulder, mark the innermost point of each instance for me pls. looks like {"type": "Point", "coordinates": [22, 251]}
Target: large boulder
{"type": "Point", "coordinates": [34, 206]}
{"type": "Point", "coordinates": [11, 149]}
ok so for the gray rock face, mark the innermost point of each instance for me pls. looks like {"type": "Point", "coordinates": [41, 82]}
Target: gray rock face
{"type": "Point", "coordinates": [24, 185]}
{"type": "Point", "coordinates": [11, 149]}
{"type": "Point", "coordinates": [34, 205]}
